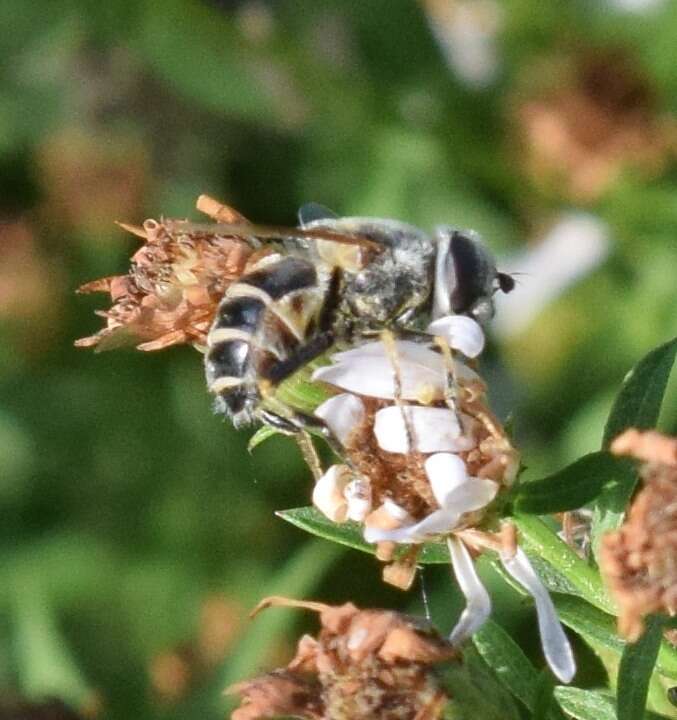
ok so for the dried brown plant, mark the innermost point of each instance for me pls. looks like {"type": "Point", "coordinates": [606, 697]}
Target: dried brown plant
{"type": "Point", "coordinates": [639, 561]}
{"type": "Point", "coordinates": [364, 664]}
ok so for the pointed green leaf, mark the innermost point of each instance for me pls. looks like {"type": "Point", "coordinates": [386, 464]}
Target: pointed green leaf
{"type": "Point", "coordinates": [574, 486]}
{"type": "Point", "coordinates": [638, 403]}
{"type": "Point", "coordinates": [474, 690]}
{"type": "Point", "coordinates": [637, 666]}
{"type": "Point", "coordinates": [591, 705]}
{"type": "Point", "coordinates": [350, 534]}
{"type": "Point", "coordinates": [545, 699]}
{"type": "Point", "coordinates": [512, 667]}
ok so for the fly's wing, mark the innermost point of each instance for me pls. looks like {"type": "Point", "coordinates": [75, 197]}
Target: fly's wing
{"type": "Point", "coordinates": [312, 212]}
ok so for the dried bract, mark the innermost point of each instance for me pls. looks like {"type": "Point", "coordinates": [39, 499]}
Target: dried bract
{"type": "Point", "coordinates": [364, 664]}
{"type": "Point", "coordinates": [639, 561]}
{"type": "Point", "coordinates": [175, 283]}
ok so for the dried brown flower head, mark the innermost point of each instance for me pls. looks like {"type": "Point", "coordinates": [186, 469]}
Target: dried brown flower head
{"type": "Point", "coordinates": [364, 664]}
{"type": "Point", "coordinates": [639, 561]}
{"type": "Point", "coordinates": [597, 120]}
{"type": "Point", "coordinates": [176, 280]}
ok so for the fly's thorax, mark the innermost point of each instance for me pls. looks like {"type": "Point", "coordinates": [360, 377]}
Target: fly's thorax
{"type": "Point", "coordinates": [379, 287]}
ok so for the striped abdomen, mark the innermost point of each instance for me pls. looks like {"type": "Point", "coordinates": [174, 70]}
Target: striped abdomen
{"type": "Point", "coordinates": [259, 330]}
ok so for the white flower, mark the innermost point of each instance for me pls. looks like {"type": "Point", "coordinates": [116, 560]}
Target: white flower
{"type": "Point", "coordinates": [368, 370]}
{"type": "Point", "coordinates": [455, 493]}
{"type": "Point", "coordinates": [439, 432]}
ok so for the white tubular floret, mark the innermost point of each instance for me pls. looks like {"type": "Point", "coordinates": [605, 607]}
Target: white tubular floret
{"type": "Point", "coordinates": [461, 332]}
{"type": "Point", "coordinates": [342, 414]}
{"type": "Point", "coordinates": [433, 430]}
{"type": "Point", "coordinates": [478, 607]}
{"type": "Point", "coordinates": [328, 495]}
{"type": "Point", "coordinates": [368, 370]}
{"type": "Point", "coordinates": [556, 647]}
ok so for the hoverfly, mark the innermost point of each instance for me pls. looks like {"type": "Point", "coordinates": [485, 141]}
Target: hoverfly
{"type": "Point", "coordinates": [334, 280]}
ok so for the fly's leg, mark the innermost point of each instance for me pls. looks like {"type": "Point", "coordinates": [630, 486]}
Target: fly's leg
{"type": "Point", "coordinates": [388, 340]}
{"type": "Point", "coordinates": [451, 386]}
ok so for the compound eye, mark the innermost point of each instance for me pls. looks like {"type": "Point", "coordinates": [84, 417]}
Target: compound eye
{"type": "Point", "coordinates": [505, 282]}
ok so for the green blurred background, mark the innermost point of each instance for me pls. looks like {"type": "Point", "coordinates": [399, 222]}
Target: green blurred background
{"type": "Point", "coordinates": [137, 531]}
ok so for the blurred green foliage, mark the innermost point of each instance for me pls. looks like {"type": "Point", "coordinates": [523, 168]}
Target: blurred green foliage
{"type": "Point", "coordinates": [129, 509]}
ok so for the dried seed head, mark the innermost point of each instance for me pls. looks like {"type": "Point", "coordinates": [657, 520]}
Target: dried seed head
{"type": "Point", "coordinates": [364, 664]}
{"type": "Point", "coordinates": [174, 285]}
{"type": "Point", "coordinates": [639, 561]}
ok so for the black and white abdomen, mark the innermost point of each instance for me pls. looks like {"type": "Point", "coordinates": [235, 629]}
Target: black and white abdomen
{"type": "Point", "coordinates": [260, 324]}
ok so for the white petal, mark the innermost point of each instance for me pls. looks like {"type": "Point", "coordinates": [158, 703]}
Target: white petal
{"type": "Point", "coordinates": [437, 523]}
{"type": "Point", "coordinates": [397, 512]}
{"type": "Point", "coordinates": [478, 606]}
{"type": "Point", "coordinates": [358, 496]}
{"type": "Point", "coordinates": [461, 332]}
{"type": "Point", "coordinates": [433, 429]}
{"type": "Point", "coordinates": [453, 489]}
{"type": "Point", "coordinates": [328, 493]}
{"type": "Point", "coordinates": [342, 413]}
{"type": "Point", "coordinates": [445, 472]}
{"type": "Point", "coordinates": [368, 370]}
{"type": "Point", "coordinates": [555, 644]}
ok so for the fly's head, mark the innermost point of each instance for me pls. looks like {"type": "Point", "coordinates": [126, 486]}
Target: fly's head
{"type": "Point", "coordinates": [466, 277]}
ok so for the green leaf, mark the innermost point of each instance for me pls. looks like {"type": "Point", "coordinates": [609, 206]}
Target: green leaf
{"type": "Point", "coordinates": [350, 534]}
{"type": "Point", "coordinates": [261, 435]}
{"type": "Point", "coordinates": [637, 666]}
{"type": "Point", "coordinates": [591, 705]}
{"type": "Point", "coordinates": [45, 664]}
{"type": "Point", "coordinates": [589, 622]}
{"type": "Point", "coordinates": [474, 690]}
{"type": "Point", "coordinates": [545, 699]}
{"type": "Point", "coordinates": [512, 667]}
{"type": "Point", "coordinates": [573, 487]}
{"type": "Point", "coordinates": [638, 403]}
{"type": "Point", "coordinates": [540, 541]}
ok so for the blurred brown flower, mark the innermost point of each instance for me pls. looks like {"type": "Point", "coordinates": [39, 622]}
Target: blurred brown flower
{"type": "Point", "coordinates": [89, 177]}
{"type": "Point", "coordinates": [174, 285]}
{"type": "Point", "coordinates": [30, 287]}
{"type": "Point", "coordinates": [364, 664]}
{"type": "Point", "coordinates": [639, 561]}
{"type": "Point", "coordinates": [596, 121]}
